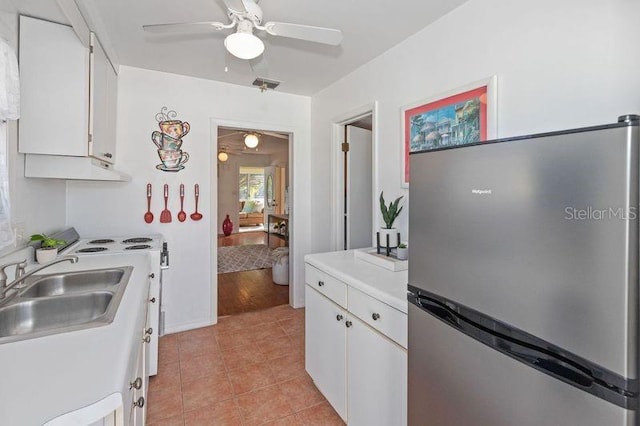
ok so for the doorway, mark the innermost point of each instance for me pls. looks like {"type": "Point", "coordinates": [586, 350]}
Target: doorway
{"type": "Point", "coordinates": [355, 182]}
{"type": "Point", "coordinates": [248, 260]}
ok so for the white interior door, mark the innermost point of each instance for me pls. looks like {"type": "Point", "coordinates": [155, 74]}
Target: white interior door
{"type": "Point", "coordinates": [359, 194]}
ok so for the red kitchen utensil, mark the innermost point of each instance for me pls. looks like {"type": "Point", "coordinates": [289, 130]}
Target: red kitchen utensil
{"type": "Point", "coordinates": [195, 215]}
{"type": "Point", "coordinates": [148, 216]}
{"type": "Point", "coordinates": [182, 216]}
{"type": "Point", "coordinates": [165, 215]}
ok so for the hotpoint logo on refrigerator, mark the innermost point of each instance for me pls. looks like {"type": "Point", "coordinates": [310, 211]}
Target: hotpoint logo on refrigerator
{"type": "Point", "coordinates": [482, 191]}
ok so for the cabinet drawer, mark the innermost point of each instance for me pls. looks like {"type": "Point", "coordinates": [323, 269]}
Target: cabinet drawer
{"type": "Point", "coordinates": [387, 320]}
{"type": "Point", "coordinates": [334, 289]}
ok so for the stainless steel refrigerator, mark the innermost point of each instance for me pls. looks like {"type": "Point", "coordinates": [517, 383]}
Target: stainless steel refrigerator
{"type": "Point", "coordinates": [523, 280]}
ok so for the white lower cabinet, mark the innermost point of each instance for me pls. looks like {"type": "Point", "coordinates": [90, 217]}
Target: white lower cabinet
{"type": "Point", "coordinates": [358, 367]}
{"type": "Point", "coordinates": [376, 377]}
{"type": "Point", "coordinates": [325, 348]}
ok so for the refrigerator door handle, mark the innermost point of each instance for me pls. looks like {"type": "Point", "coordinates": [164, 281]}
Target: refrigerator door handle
{"type": "Point", "coordinates": [556, 368]}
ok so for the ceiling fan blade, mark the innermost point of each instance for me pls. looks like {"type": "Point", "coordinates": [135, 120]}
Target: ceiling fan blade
{"type": "Point", "coordinates": [305, 32]}
{"type": "Point", "coordinates": [187, 27]}
{"type": "Point", "coordinates": [275, 135]}
{"type": "Point", "coordinates": [235, 6]}
{"type": "Point", "coordinates": [231, 134]}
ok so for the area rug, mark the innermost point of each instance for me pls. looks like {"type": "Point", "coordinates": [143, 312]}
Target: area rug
{"type": "Point", "coordinates": [243, 258]}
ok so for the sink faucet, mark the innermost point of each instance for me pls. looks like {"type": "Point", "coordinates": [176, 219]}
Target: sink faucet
{"type": "Point", "coordinates": [20, 267]}
{"type": "Point", "coordinates": [4, 287]}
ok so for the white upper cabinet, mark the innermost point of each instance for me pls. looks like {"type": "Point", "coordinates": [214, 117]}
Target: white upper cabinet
{"type": "Point", "coordinates": [54, 90]}
{"type": "Point", "coordinates": [104, 90]}
{"type": "Point", "coordinates": [68, 93]}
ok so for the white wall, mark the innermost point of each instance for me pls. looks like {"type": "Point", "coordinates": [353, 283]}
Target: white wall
{"type": "Point", "coordinates": [560, 64]}
{"type": "Point", "coordinates": [228, 185]}
{"type": "Point", "coordinates": [118, 208]}
{"type": "Point", "coordinates": [37, 205]}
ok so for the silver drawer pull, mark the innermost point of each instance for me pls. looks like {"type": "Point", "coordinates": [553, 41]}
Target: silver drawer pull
{"type": "Point", "coordinates": [137, 383]}
{"type": "Point", "coordinates": [348, 324]}
{"type": "Point", "coordinates": [147, 339]}
{"type": "Point", "coordinates": [152, 275]}
{"type": "Point", "coordinates": [108, 155]}
{"type": "Point", "coordinates": [152, 300]}
{"type": "Point", "coordinates": [339, 317]}
{"type": "Point", "coordinates": [320, 283]}
{"type": "Point", "coordinates": [375, 316]}
{"type": "Point", "coordinates": [139, 403]}
{"type": "Point", "coordinates": [148, 331]}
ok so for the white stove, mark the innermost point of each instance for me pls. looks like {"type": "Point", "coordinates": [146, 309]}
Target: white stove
{"type": "Point", "coordinates": [155, 246]}
{"type": "Point", "coordinates": [112, 245]}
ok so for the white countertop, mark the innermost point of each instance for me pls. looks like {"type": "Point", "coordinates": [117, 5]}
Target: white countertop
{"type": "Point", "coordinates": [43, 378]}
{"type": "Point", "coordinates": [382, 284]}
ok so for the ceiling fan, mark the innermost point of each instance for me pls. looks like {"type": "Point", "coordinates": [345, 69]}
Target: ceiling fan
{"type": "Point", "coordinates": [246, 15]}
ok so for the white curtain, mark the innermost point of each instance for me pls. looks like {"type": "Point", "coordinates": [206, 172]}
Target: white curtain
{"type": "Point", "coordinates": [9, 110]}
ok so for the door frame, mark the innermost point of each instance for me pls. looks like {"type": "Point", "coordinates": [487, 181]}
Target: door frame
{"type": "Point", "coordinates": [296, 287]}
{"type": "Point", "coordinates": [338, 124]}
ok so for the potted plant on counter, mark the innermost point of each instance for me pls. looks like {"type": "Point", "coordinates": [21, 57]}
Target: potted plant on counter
{"type": "Point", "coordinates": [48, 247]}
{"type": "Point", "coordinates": [402, 251]}
{"type": "Point", "coordinates": [389, 215]}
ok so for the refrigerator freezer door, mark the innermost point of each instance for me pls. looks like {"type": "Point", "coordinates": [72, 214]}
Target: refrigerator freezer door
{"type": "Point", "coordinates": [541, 234]}
{"type": "Point", "coordinates": [456, 380]}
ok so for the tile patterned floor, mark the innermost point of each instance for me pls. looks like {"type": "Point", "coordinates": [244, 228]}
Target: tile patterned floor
{"type": "Point", "coordinates": [246, 370]}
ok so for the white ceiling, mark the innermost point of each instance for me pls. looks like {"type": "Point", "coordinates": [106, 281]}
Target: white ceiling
{"type": "Point", "coordinates": [369, 28]}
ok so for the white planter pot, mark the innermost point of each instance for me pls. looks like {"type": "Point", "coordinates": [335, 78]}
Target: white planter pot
{"type": "Point", "coordinates": [46, 255]}
{"type": "Point", "coordinates": [393, 237]}
{"type": "Point", "coordinates": [403, 253]}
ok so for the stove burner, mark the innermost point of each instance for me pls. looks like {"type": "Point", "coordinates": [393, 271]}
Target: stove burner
{"type": "Point", "coordinates": [102, 241]}
{"type": "Point", "coordinates": [92, 250]}
{"type": "Point", "coordinates": [138, 247]}
{"type": "Point", "coordinates": [137, 240]}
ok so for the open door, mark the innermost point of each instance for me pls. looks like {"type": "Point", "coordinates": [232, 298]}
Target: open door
{"type": "Point", "coordinates": [359, 189]}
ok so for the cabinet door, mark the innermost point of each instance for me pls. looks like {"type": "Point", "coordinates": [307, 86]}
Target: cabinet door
{"type": "Point", "coordinates": [54, 89]}
{"type": "Point", "coordinates": [103, 104]}
{"type": "Point", "coordinates": [377, 377]}
{"type": "Point", "coordinates": [325, 348]}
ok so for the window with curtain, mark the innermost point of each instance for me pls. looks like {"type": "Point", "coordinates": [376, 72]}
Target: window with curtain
{"type": "Point", "coordinates": [6, 231]}
{"type": "Point", "coordinates": [251, 184]}
{"type": "Point", "coordinates": [9, 110]}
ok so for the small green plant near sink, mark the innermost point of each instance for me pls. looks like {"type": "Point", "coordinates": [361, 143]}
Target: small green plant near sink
{"type": "Point", "coordinates": [48, 247]}
{"type": "Point", "coordinates": [47, 242]}
{"type": "Point", "coordinates": [402, 245]}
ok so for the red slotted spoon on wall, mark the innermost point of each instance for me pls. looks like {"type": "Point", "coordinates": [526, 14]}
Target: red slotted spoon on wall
{"type": "Point", "coordinates": [182, 216]}
{"type": "Point", "coordinates": [195, 215]}
{"type": "Point", "coordinates": [165, 215]}
{"type": "Point", "coordinates": [148, 216]}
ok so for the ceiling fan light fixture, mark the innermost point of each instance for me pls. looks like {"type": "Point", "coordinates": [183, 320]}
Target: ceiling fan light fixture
{"type": "Point", "coordinates": [244, 45]}
{"type": "Point", "coordinates": [223, 156]}
{"type": "Point", "coordinates": [251, 140]}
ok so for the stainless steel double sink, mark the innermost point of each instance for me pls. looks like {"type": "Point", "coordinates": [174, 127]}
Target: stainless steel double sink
{"type": "Point", "coordinates": [61, 302]}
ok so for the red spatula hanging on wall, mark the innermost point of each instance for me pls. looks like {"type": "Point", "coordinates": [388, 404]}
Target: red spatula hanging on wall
{"type": "Point", "coordinates": [165, 215]}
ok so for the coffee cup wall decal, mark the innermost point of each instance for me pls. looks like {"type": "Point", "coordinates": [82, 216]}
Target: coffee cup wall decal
{"type": "Point", "coordinates": [168, 141]}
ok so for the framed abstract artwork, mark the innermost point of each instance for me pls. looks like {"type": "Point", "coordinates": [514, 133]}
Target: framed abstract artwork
{"type": "Point", "coordinates": [459, 117]}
